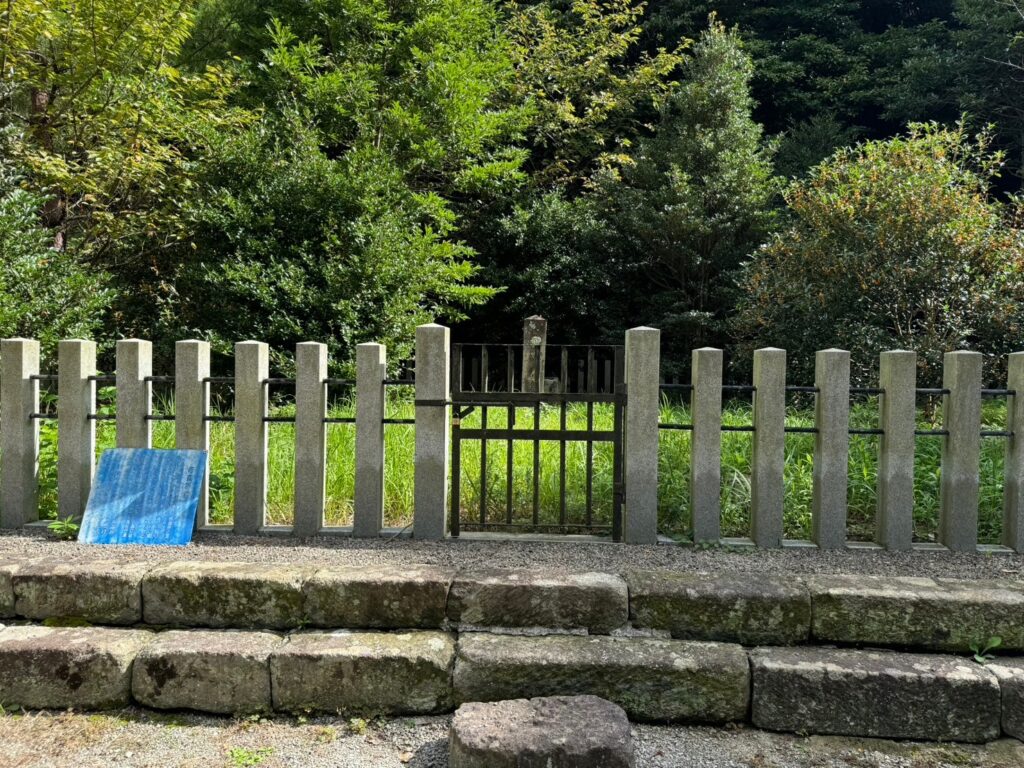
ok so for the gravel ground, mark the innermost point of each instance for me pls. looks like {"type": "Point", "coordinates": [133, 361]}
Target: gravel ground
{"type": "Point", "coordinates": [573, 556]}
{"type": "Point", "coordinates": [137, 739]}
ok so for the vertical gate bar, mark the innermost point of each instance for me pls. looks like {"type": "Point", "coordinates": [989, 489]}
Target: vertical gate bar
{"type": "Point", "coordinates": [706, 445]}
{"type": "Point", "coordinates": [580, 375]}
{"type": "Point", "coordinates": [591, 370]}
{"type": "Point", "coordinates": [561, 467]}
{"type": "Point", "coordinates": [590, 465]}
{"type": "Point", "coordinates": [643, 372]}
{"type": "Point", "coordinates": [371, 402]}
{"type": "Point", "coordinates": [311, 437]}
{"type": "Point", "coordinates": [618, 387]}
{"type": "Point", "coordinates": [76, 431]}
{"type": "Point", "coordinates": [483, 468]}
{"type": "Point", "coordinates": [252, 363]}
{"type": "Point", "coordinates": [894, 520]}
{"type": "Point", "coordinates": [961, 447]}
{"type": "Point", "coordinates": [485, 369]}
{"type": "Point", "coordinates": [767, 476]}
{"type": "Point", "coordinates": [19, 432]}
{"type": "Point", "coordinates": [536, 464]}
{"type": "Point", "coordinates": [831, 448]}
{"type": "Point", "coordinates": [191, 407]}
{"type": "Point", "coordinates": [509, 451]}
{"type": "Point", "coordinates": [1013, 494]}
{"type": "Point", "coordinates": [510, 373]}
{"type": "Point", "coordinates": [456, 388]}
{"type": "Point", "coordinates": [134, 393]}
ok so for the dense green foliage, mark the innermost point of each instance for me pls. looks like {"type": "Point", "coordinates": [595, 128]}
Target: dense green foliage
{"type": "Point", "coordinates": [346, 169]}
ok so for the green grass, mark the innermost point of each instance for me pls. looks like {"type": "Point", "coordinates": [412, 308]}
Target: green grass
{"type": "Point", "coordinates": [674, 518]}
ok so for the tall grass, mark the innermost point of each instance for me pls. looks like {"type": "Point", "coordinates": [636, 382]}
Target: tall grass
{"type": "Point", "coordinates": [673, 511]}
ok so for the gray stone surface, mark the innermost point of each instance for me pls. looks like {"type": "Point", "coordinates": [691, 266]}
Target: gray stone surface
{"type": "Point", "coordinates": [554, 732]}
{"type": "Point", "coordinates": [652, 679]}
{"type": "Point", "coordinates": [433, 363]}
{"type": "Point", "coordinates": [597, 602]}
{"type": "Point", "coordinates": [134, 393]}
{"type": "Point", "coordinates": [1013, 465]}
{"type": "Point", "coordinates": [310, 437]}
{"type": "Point", "coordinates": [961, 451]}
{"type": "Point", "coordinates": [831, 448]}
{"type": "Point", "coordinates": [76, 432]}
{"type": "Point", "coordinates": [874, 693]}
{"type": "Point", "coordinates": [767, 491]}
{"type": "Point", "coordinates": [936, 614]}
{"type": "Point", "coordinates": [84, 668]}
{"type": "Point", "coordinates": [221, 671]}
{"type": "Point", "coordinates": [379, 598]}
{"type": "Point", "coordinates": [643, 372]}
{"type": "Point", "coordinates": [364, 672]}
{"type": "Point", "coordinates": [99, 592]}
{"type": "Point", "coordinates": [1010, 673]}
{"type": "Point", "coordinates": [7, 570]}
{"type": "Point", "coordinates": [371, 370]}
{"type": "Point", "coordinates": [191, 406]}
{"type": "Point", "coordinates": [252, 365]}
{"type": "Point", "coordinates": [894, 522]}
{"type": "Point", "coordinates": [19, 433]}
{"type": "Point", "coordinates": [243, 595]}
{"type": "Point", "coordinates": [741, 608]}
{"type": "Point", "coordinates": [706, 445]}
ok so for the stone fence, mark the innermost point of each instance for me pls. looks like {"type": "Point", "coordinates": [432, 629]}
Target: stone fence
{"type": "Point", "coordinates": [897, 395]}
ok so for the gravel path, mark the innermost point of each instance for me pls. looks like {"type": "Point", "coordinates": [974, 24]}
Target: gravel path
{"type": "Point", "coordinates": [574, 556]}
{"type": "Point", "coordinates": [137, 739]}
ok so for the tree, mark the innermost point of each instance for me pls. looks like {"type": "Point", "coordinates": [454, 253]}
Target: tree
{"type": "Point", "coordinates": [891, 244]}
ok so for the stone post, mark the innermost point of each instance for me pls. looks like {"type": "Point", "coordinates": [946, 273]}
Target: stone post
{"type": "Point", "coordinates": [191, 407]}
{"type": "Point", "coordinates": [706, 445]}
{"type": "Point", "coordinates": [371, 370]}
{"type": "Point", "coordinates": [252, 364]}
{"type": "Point", "coordinates": [310, 437]}
{"type": "Point", "coordinates": [894, 520]}
{"type": "Point", "coordinates": [1013, 478]}
{"type": "Point", "coordinates": [19, 432]}
{"type": "Point", "coordinates": [76, 431]}
{"type": "Point", "coordinates": [961, 449]}
{"type": "Point", "coordinates": [134, 393]}
{"type": "Point", "coordinates": [769, 455]}
{"type": "Point", "coordinates": [643, 371]}
{"type": "Point", "coordinates": [535, 340]}
{"type": "Point", "coordinates": [433, 362]}
{"type": "Point", "coordinates": [831, 448]}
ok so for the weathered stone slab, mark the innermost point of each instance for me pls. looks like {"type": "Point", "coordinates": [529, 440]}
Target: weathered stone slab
{"type": "Point", "coordinates": [753, 609]}
{"type": "Point", "coordinates": [555, 732]}
{"type": "Point", "coordinates": [7, 571]}
{"type": "Point", "coordinates": [378, 598]}
{"type": "Point", "coordinates": [597, 602]}
{"type": "Point", "coordinates": [652, 679]}
{"type": "Point", "coordinates": [100, 592]}
{"type": "Point", "coordinates": [1010, 673]}
{"type": "Point", "coordinates": [207, 594]}
{"type": "Point", "coordinates": [943, 615]}
{"type": "Point", "coordinates": [82, 667]}
{"type": "Point", "coordinates": [221, 671]}
{"type": "Point", "coordinates": [874, 693]}
{"type": "Point", "coordinates": [364, 672]}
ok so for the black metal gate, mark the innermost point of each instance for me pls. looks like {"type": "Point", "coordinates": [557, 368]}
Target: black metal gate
{"type": "Point", "coordinates": [577, 399]}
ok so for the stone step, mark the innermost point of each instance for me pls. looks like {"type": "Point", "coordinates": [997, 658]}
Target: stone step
{"type": "Point", "coordinates": [881, 694]}
{"type": "Point", "coordinates": [652, 679]}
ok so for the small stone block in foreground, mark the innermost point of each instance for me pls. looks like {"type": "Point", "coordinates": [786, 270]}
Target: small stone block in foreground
{"type": "Point", "coordinates": [555, 732]}
{"type": "Point", "coordinates": [209, 594]}
{"type": "Point", "coordinates": [364, 672]}
{"type": "Point", "coordinates": [378, 598]}
{"type": "Point", "coordinates": [597, 602]}
{"type": "Point", "coordinates": [221, 671]}
{"type": "Point", "coordinates": [878, 694]}
{"type": "Point", "coordinates": [753, 609]}
{"type": "Point", "coordinates": [1010, 673]}
{"type": "Point", "coordinates": [98, 592]}
{"type": "Point", "coordinates": [652, 679]}
{"type": "Point", "coordinates": [82, 667]}
{"type": "Point", "coordinates": [937, 614]}
{"type": "Point", "coordinates": [7, 571]}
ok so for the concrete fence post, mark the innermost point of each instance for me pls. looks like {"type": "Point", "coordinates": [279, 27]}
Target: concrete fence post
{"type": "Point", "coordinates": [433, 363]}
{"type": "Point", "coordinates": [643, 372]}
{"type": "Point", "coordinates": [76, 431]}
{"type": "Point", "coordinates": [1013, 477]}
{"type": "Point", "coordinates": [961, 449]}
{"type": "Point", "coordinates": [894, 520]}
{"type": "Point", "coordinates": [706, 445]}
{"type": "Point", "coordinates": [769, 454]}
{"type": "Point", "coordinates": [310, 437]}
{"type": "Point", "coordinates": [134, 393]}
{"type": "Point", "coordinates": [371, 370]}
{"type": "Point", "coordinates": [19, 432]}
{"type": "Point", "coordinates": [191, 407]}
{"type": "Point", "coordinates": [252, 365]}
{"type": "Point", "coordinates": [831, 448]}
{"type": "Point", "coordinates": [535, 340]}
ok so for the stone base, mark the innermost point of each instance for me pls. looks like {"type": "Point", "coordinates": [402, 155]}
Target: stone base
{"type": "Point", "coordinates": [556, 732]}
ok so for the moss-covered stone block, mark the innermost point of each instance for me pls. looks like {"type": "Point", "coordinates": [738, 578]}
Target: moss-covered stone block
{"type": "Point", "coordinates": [99, 592]}
{"type": "Point", "coordinates": [1010, 673]}
{"type": "Point", "coordinates": [378, 598]}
